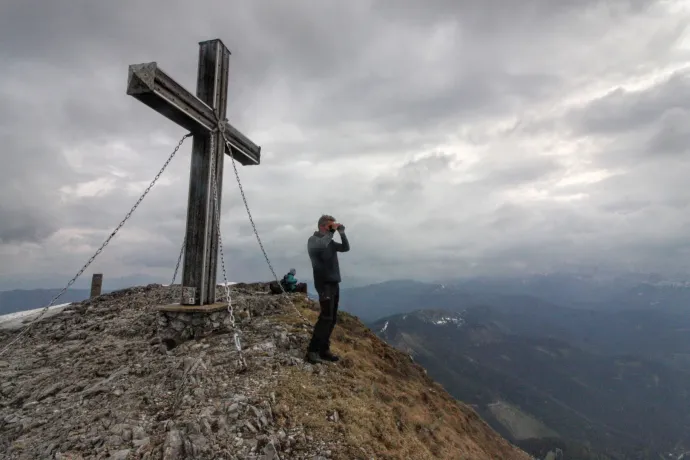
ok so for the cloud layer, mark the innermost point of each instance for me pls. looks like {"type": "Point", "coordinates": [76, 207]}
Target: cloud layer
{"type": "Point", "coordinates": [451, 139]}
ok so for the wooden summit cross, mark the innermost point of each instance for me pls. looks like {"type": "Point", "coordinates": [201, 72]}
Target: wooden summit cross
{"type": "Point", "coordinates": [200, 115]}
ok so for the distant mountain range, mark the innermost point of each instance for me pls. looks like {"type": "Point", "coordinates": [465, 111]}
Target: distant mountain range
{"type": "Point", "coordinates": [612, 294]}
{"type": "Point", "coordinates": [25, 299]}
{"type": "Point", "coordinates": [21, 295]}
{"type": "Point", "coordinates": [625, 291]}
{"type": "Point", "coordinates": [83, 282]}
{"type": "Point", "coordinates": [606, 377]}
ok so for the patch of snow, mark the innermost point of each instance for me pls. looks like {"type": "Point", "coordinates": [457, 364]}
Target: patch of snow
{"type": "Point", "coordinates": [383, 329]}
{"type": "Point", "coordinates": [443, 319]}
{"type": "Point", "coordinates": [459, 321]}
{"type": "Point", "coordinates": [18, 319]}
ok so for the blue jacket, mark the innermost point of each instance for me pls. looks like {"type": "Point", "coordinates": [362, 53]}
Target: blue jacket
{"type": "Point", "coordinates": [290, 282]}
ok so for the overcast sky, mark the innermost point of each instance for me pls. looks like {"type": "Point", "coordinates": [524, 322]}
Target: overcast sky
{"type": "Point", "coordinates": [451, 137]}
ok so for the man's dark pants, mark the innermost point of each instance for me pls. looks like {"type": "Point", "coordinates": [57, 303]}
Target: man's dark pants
{"type": "Point", "coordinates": [329, 297]}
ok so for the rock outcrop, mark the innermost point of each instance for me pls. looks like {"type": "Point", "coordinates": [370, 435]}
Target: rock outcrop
{"type": "Point", "coordinates": [97, 381]}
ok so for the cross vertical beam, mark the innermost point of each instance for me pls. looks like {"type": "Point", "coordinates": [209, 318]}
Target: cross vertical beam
{"type": "Point", "coordinates": [200, 257]}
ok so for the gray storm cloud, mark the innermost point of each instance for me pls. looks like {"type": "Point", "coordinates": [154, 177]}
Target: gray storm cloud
{"type": "Point", "coordinates": [496, 138]}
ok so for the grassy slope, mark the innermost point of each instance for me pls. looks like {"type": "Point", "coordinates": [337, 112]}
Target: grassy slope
{"type": "Point", "coordinates": [387, 406]}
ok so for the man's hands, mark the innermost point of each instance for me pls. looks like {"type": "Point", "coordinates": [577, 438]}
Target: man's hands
{"type": "Point", "coordinates": [333, 226]}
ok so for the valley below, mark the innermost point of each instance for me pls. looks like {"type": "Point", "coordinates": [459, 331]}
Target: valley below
{"type": "Point", "coordinates": [593, 383]}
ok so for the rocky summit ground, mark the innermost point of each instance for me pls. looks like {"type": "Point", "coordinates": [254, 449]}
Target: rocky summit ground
{"type": "Point", "coordinates": [96, 382]}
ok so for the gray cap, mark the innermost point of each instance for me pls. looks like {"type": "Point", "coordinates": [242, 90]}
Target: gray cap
{"type": "Point", "coordinates": [292, 271]}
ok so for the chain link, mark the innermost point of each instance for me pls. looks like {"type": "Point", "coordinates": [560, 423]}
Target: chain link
{"type": "Point", "coordinates": [251, 220]}
{"type": "Point", "coordinates": [242, 363]}
{"type": "Point", "coordinates": [105, 243]}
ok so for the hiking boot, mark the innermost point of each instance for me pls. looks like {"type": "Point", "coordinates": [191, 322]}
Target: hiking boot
{"type": "Point", "coordinates": [328, 356]}
{"type": "Point", "coordinates": [313, 358]}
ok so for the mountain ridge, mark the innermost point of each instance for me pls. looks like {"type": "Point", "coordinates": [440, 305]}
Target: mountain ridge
{"type": "Point", "coordinates": [377, 300]}
{"type": "Point", "coordinates": [123, 393]}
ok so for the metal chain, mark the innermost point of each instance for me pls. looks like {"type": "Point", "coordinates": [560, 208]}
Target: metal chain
{"type": "Point", "coordinates": [242, 363]}
{"type": "Point", "coordinates": [179, 259]}
{"type": "Point", "coordinates": [105, 243]}
{"type": "Point", "coordinates": [177, 397]}
{"type": "Point", "coordinates": [244, 198]}
{"type": "Point", "coordinates": [251, 220]}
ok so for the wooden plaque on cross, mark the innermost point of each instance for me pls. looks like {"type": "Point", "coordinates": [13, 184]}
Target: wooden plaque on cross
{"type": "Point", "coordinates": [201, 114]}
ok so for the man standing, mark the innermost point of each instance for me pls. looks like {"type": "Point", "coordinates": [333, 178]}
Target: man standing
{"type": "Point", "coordinates": [323, 252]}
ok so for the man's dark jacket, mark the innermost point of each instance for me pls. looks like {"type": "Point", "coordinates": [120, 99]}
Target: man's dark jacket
{"type": "Point", "coordinates": [323, 252]}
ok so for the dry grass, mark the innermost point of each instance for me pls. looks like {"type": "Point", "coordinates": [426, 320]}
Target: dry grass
{"type": "Point", "coordinates": [387, 406]}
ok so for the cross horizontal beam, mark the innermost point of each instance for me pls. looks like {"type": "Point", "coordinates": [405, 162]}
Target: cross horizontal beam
{"type": "Point", "coordinates": [150, 85]}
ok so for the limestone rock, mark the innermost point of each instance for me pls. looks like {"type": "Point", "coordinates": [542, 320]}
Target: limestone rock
{"type": "Point", "coordinates": [129, 394]}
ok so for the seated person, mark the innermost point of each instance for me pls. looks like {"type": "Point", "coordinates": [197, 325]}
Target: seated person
{"type": "Point", "coordinates": [290, 283]}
